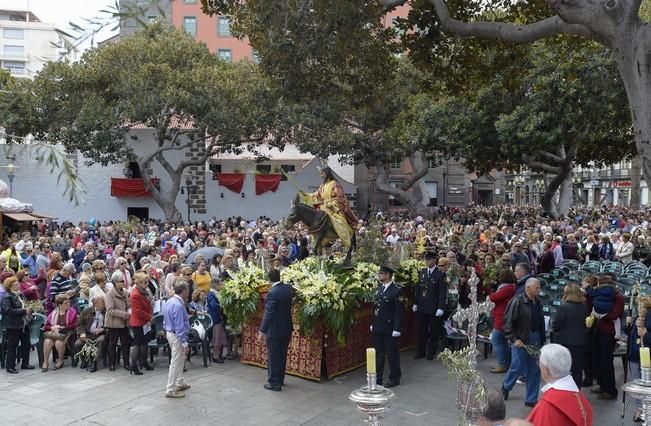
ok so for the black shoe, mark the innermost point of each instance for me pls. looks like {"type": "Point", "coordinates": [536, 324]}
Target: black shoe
{"type": "Point", "coordinates": [135, 371]}
{"type": "Point", "coordinates": [93, 367]}
{"type": "Point", "coordinates": [148, 367]}
{"type": "Point", "coordinates": [530, 404]}
{"type": "Point", "coordinates": [419, 356]}
{"type": "Point", "coordinates": [219, 360]}
{"type": "Point", "coordinates": [83, 365]}
{"type": "Point", "coordinates": [272, 388]}
{"type": "Point", "coordinates": [597, 390]}
{"type": "Point", "coordinates": [112, 368]}
{"type": "Point", "coordinates": [27, 367]}
{"type": "Point", "coordinates": [126, 366]}
{"type": "Point", "coordinates": [12, 371]}
{"type": "Point", "coordinates": [391, 384]}
{"type": "Point", "coordinates": [586, 383]}
{"type": "Point", "coordinates": [505, 394]}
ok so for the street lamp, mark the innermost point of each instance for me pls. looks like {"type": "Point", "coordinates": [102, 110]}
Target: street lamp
{"type": "Point", "coordinates": [519, 182]}
{"type": "Point", "coordinates": [188, 189]}
{"type": "Point", "coordinates": [11, 173]}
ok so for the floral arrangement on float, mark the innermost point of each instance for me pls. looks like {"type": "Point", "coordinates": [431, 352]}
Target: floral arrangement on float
{"type": "Point", "coordinates": [241, 293]}
{"type": "Point", "coordinates": [408, 272]}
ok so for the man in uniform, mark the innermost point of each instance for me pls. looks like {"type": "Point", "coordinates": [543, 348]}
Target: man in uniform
{"type": "Point", "coordinates": [429, 305]}
{"type": "Point", "coordinates": [386, 326]}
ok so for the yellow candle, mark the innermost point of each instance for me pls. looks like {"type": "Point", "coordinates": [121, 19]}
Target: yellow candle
{"type": "Point", "coordinates": [645, 358]}
{"type": "Point", "coordinates": [370, 360]}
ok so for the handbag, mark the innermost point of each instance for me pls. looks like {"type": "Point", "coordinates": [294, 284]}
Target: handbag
{"type": "Point", "coordinates": [198, 326]}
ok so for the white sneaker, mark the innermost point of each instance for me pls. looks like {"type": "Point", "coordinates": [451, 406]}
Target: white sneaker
{"type": "Point", "coordinates": [521, 381]}
{"type": "Point", "coordinates": [175, 394]}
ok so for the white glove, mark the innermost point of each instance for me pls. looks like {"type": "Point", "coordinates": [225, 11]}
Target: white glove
{"type": "Point", "coordinates": [371, 328]}
{"type": "Point", "coordinates": [395, 334]}
{"type": "Point", "coordinates": [414, 308]}
{"type": "Point", "coordinates": [439, 312]}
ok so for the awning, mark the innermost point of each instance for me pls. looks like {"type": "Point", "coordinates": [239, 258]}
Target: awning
{"type": "Point", "coordinates": [22, 217]}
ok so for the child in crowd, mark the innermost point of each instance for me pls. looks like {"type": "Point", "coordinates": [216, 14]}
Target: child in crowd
{"type": "Point", "coordinates": [602, 295]}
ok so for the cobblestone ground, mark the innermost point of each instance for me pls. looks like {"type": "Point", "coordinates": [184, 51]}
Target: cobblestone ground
{"type": "Point", "coordinates": [232, 394]}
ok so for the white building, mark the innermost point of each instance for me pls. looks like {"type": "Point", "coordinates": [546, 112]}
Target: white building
{"type": "Point", "coordinates": [26, 43]}
{"type": "Point", "coordinates": [32, 182]}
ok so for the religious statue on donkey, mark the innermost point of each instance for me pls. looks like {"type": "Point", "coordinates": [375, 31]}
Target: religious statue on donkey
{"type": "Point", "coordinates": [327, 214]}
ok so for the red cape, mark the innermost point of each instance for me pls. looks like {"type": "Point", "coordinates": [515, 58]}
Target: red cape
{"type": "Point", "coordinates": [562, 408]}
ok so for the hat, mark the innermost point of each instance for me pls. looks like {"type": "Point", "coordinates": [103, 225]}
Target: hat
{"type": "Point", "coordinates": [444, 261]}
{"type": "Point", "coordinates": [386, 269]}
{"type": "Point", "coordinates": [429, 255]}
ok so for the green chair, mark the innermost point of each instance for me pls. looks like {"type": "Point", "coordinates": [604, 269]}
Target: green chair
{"type": "Point", "coordinates": [547, 277]}
{"type": "Point", "coordinates": [160, 339]}
{"type": "Point", "coordinates": [549, 310]}
{"type": "Point", "coordinates": [36, 335]}
{"type": "Point", "coordinates": [558, 272]}
{"type": "Point", "coordinates": [571, 264]}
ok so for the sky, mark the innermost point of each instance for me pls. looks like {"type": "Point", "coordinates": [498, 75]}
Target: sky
{"type": "Point", "coordinates": [61, 12]}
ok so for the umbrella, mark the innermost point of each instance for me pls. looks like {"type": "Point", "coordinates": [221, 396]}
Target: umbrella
{"type": "Point", "coordinates": [207, 252]}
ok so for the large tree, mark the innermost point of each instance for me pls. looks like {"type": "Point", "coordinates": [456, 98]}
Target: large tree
{"type": "Point", "coordinates": [162, 79]}
{"type": "Point", "coordinates": [616, 24]}
{"type": "Point", "coordinates": [336, 64]}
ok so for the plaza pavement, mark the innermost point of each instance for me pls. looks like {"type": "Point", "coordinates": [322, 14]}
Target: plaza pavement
{"type": "Point", "coordinates": [232, 394]}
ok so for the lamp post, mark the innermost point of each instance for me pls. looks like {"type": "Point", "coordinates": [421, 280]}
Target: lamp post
{"type": "Point", "coordinates": [540, 184]}
{"type": "Point", "coordinates": [188, 189]}
{"type": "Point", "coordinates": [519, 182]}
{"type": "Point", "coordinates": [11, 173]}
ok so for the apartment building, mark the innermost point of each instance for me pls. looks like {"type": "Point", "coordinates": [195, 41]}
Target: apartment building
{"type": "Point", "coordinates": [27, 43]}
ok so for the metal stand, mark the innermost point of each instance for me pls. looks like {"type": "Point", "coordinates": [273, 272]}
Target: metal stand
{"type": "Point", "coordinates": [641, 389]}
{"type": "Point", "coordinates": [372, 399]}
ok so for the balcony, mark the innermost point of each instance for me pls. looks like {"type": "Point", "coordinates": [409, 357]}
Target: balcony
{"type": "Point", "coordinates": [126, 187]}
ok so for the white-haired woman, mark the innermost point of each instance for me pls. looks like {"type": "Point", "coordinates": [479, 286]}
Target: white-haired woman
{"type": "Point", "coordinates": [562, 402]}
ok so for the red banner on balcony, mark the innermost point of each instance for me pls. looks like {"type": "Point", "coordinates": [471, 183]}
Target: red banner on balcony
{"type": "Point", "coordinates": [124, 187]}
{"type": "Point", "coordinates": [264, 183]}
{"type": "Point", "coordinates": [232, 181]}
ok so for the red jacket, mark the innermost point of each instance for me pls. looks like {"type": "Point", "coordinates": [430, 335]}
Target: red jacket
{"type": "Point", "coordinates": [140, 308]}
{"type": "Point", "coordinates": [501, 298]}
{"type": "Point", "coordinates": [564, 408]}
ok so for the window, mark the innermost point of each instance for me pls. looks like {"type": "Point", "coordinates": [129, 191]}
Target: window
{"type": "Point", "coordinates": [224, 55]}
{"type": "Point", "coordinates": [190, 25]}
{"type": "Point", "coordinates": [10, 50]}
{"type": "Point", "coordinates": [189, 1]}
{"type": "Point", "coordinates": [263, 168]}
{"type": "Point", "coordinates": [290, 169]}
{"type": "Point", "coordinates": [431, 163]}
{"type": "Point", "coordinates": [255, 56]}
{"type": "Point", "coordinates": [216, 169]}
{"type": "Point", "coordinates": [152, 19]}
{"type": "Point", "coordinates": [14, 67]}
{"type": "Point", "coordinates": [396, 164]}
{"type": "Point", "coordinates": [433, 189]}
{"type": "Point", "coordinates": [13, 33]}
{"type": "Point", "coordinates": [223, 27]}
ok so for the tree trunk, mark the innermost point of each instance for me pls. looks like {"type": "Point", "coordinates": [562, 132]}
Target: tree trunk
{"type": "Point", "coordinates": [636, 171]}
{"type": "Point", "coordinates": [565, 196]}
{"type": "Point", "coordinates": [165, 199]}
{"type": "Point", "coordinates": [633, 57]}
{"type": "Point", "coordinates": [411, 193]}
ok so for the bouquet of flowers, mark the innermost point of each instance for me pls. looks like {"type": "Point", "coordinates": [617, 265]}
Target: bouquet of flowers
{"type": "Point", "coordinates": [325, 290]}
{"type": "Point", "coordinates": [240, 295]}
{"type": "Point", "coordinates": [35, 305]}
{"type": "Point", "coordinates": [490, 275]}
{"type": "Point", "coordinates": [454, 274]}
{"type": "Point", "coordinates": [408, 272]}
{"type": "Point", "coordinates": [88, 352]}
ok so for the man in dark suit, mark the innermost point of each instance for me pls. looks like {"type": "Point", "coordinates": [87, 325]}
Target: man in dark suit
{"type": "Point", "coordinates": [386, 326]}
{"type": "Point", "coordinates": [277, 328]}
{"type": "Point", "coordinates": [429, 305]}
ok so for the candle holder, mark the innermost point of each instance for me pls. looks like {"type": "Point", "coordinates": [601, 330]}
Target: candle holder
{"type": "Point", "coordinates": [641, 389]}
{"type": "Point", "coordinates": [372, 399]}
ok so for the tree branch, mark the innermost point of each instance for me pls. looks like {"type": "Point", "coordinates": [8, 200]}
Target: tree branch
{"type": "Point", "coordinates": [392, 4]}
{"type": "Point", "coordinates": [539, 165]}
{"type": "Point", "coordinates": [172, 148]}
{"type": "Point", "coordinates": [508, 32]}
{"type": "Point", "coordinates": [551, 157]}
{"type": "Point", "coordinates": [420, 169]}
{"type": "Point", "coordinates": [166, 165]}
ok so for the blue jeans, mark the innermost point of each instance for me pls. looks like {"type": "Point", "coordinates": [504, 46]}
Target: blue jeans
{"type": "Point", "coordinates": [501, 348]}
{"type": "Point", "coordinates": [523, 364]}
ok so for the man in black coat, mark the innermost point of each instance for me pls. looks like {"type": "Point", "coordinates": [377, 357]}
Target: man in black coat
{"type": "Point", "coordinates": [386, 326]}
{"type": "Point", "coordinates": [429, 305]}
{"type": "Point", "coordinates": [277, 328]}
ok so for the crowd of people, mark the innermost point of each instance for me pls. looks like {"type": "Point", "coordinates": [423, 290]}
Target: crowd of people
{"type": "Point", "coordinates": [103, 282]}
